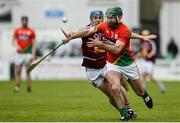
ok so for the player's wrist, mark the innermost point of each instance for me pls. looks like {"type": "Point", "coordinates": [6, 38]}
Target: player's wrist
{"type": "Point", "coordinates": [101, 45]}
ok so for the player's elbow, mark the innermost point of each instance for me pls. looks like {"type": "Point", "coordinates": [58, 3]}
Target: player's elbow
{"type": "Point", "coordinates": [116, 51]}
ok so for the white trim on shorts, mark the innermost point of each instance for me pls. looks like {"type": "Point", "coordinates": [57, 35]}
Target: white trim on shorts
{"type": "Point", "coordinates": [95, 76]}
{"type": "Point", "coordinates": [129, 72]}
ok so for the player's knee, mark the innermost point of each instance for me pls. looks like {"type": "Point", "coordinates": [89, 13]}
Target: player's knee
{"type": "Point", "coordinates": [18, 72]}
{"type": "Point", "coordinates": [116, 88]}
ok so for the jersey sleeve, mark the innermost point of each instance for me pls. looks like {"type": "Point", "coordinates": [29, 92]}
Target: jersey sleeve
{"type": "Point", "coordinates": [125, 35]}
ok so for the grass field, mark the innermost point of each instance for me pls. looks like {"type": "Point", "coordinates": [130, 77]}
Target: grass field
{"type": "Point", "coordinates": [79, 101]}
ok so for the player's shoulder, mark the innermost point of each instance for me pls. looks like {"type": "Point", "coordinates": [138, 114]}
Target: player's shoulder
{"type": "Point", "coordinates": [125, 27]}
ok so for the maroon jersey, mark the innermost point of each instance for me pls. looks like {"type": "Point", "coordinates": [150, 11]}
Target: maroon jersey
{"type": "Point", "coordinates": [93, 56]}
{"type": "Point", "coordinates": [149, 46]}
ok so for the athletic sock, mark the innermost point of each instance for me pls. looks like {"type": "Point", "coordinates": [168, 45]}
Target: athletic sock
{"type": "Point", "coordinates": [28, 89]}
{"type": "Point", "coordinates": [145, 95]}
{"type": "Point", "coordinates": [128, 106]}
{"type": "Point", "coordinates": [123, 111]}
{"type": "Point", "coordinates": [148, 100]}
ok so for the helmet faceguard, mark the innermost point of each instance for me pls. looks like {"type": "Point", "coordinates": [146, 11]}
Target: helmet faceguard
{"type": "Point", "coordinates": [114, 12]}
{"type": "Point", "coordinates": [96, 17]}
{"type": "Point", "coordinates": [96, 13]}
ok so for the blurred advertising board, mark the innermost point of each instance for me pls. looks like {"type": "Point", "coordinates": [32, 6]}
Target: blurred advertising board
{"type": "Point", "coordinates": [4, 70]}
{"type": "Point", "coordinates": [54, 69]}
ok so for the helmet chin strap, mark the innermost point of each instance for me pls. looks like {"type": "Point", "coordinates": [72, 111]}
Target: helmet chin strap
{"type": "Point", "coordinates": [118, 20]}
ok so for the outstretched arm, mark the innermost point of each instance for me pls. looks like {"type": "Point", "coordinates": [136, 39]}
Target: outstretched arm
{"type": "Point", "coordinates": [144, 38]}
{"type": "Point", "coordinates": [80, 34]}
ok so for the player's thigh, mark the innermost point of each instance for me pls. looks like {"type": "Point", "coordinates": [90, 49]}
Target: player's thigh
{"type": "Point", "coordinates": [114, 78]}
{"type": "Point", "coordinates": [113, 74]}
{"type": "Point", "coordinates": [105, 87]}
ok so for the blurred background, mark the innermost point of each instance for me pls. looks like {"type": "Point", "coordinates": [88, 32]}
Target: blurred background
{"type": "Point", "coordinates": [160, 17]}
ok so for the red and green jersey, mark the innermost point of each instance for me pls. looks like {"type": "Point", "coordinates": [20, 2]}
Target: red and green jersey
{"type": "Point", "coordinates": [123, 34]}
{"type": "Point", "coordinates": [24, 38]}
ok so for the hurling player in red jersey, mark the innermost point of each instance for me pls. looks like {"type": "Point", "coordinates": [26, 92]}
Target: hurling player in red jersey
{"type": "Point", "coordinates": [148, 64]}
{"type": "Point", "coordinates": [24, 41]}
{"type": "Point", "coordinates": [94, 61]}
{"type": "Point", "coordinates": [120, 58]}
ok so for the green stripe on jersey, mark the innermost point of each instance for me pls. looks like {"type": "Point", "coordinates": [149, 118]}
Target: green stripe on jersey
{"type": "Point", "coordinates": [28, 49]}
{"type": "Point", "coordinates": [125, 59]}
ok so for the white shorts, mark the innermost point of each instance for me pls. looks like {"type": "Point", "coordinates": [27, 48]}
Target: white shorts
{"type": "Point", "coordinates": [129, 72]}
{"type": "Point", "coordinates": [147, 67]}
{"type": "Point", "coordinates": [95, 76]}
{"type": "Point", "coordinates": [21, 58]}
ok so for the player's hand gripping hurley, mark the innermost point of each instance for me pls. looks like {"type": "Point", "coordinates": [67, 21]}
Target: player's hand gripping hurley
{"type": "Point", "coordinates": [33, 65]}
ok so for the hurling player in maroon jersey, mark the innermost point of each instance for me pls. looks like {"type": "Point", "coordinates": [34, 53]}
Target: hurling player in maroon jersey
{"type": "Point", "coordinates": [149, 63]}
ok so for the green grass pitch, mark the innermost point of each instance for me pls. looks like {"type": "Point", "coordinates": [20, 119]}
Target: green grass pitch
{"type": "Point", "coordinates": [79, 101]}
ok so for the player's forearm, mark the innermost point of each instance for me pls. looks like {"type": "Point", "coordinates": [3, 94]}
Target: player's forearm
{"type": "Point", "coordinates": [34, 49]}
{"type": "Point", "coordinates": [110, 48]}
{"type": "Point", "coordinates": [79, 34]}
{"type": "Point", "coordinates": [15, 44]}
{"type": "Point", "coordinates": [136, 36]}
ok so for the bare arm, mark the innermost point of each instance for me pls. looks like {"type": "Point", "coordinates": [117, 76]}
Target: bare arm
{"type": "Point", "coordinates": [144, 38]}
{"type": "Point", "coordinates": [115, 49]}
{"type": "Point", "coordinates": [80, 34]}
{"type": "Point", "coordinates": [33, 48]}
{"type": "Point", "coordinates": [153, 51]}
